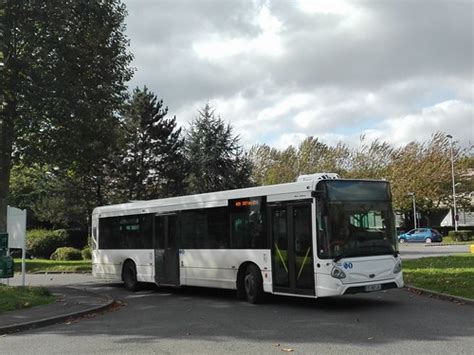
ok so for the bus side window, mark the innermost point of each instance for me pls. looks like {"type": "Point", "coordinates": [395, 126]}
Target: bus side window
{"type": "Point", "coordinates": [172, 224]}
{"type": "Point", "coordinates": [159, 232]}
{"type": "Point", "coordinates": [146, 232]}
{"type": "Point", "coordinates": [204, 229]}
{"type": "Point", "coordinates": [109, 233]}
{"type": "Point", "coordinates": [188, 229]}
{"type": "Point", "coordinates": [217, 231]}
{"type": "Point", "coordinates": [238, 231]}
{"type": "Point", "coordinates": [247, 230]}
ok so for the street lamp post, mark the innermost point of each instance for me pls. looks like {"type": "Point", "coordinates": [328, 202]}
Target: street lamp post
{"type": "Point", "coordinates": [454, 185]}
{"type": "Point", "coordinates": [412, 194]}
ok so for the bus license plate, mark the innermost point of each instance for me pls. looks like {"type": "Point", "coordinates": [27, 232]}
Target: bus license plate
{"type": "Point", "coordinates": [372, 288]}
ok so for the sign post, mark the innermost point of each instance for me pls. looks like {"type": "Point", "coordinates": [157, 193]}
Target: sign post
{"type": "Point", "coordinates": [16, 227]}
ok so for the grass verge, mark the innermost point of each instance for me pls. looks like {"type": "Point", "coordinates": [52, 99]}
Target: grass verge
{"type": "Point", "coordinates": [453, 275]}
{"type": "Point", "coordinates": [12, 298]}
{"type": "Point", "coordinates": [449, 240]}
{"type": "Point", "coordinates": [45, 265]}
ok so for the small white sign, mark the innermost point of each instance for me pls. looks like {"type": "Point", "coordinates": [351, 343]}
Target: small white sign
{"type": "Point", "coordinates": [16, 227]}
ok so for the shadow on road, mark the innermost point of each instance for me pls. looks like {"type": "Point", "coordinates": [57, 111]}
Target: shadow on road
{"type": "Point", "coordinates": [158, 313]}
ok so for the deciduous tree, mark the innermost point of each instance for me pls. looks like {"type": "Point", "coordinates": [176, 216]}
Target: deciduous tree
{"type": "Point", "coordinates": [63, 82]}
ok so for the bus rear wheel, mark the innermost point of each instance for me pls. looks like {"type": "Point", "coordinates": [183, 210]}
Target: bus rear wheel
{"type": "Point", "coordinates": [129, 276]}
{"type": "Point", "coordinates": [253, 284]}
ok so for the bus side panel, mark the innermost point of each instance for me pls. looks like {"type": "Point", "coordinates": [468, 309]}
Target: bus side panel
{"type": "Point", "coordinates": [107, 264]}
{"type": "Point", "coordinates": [218, 267]}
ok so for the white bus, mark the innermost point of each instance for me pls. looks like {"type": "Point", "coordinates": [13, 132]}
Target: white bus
{"type": "Point", "coordinates": [317, 237]}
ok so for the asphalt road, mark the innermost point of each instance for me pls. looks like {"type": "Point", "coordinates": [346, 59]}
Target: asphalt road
{"type": "Point", "coordinates": [205, 321]}
{"type": "Point", "coordinates": [208, 321]}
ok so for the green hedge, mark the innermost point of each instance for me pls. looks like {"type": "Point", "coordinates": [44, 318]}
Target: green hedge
{"type": "Point", "coordinates": [86, 253]}
{"type": "Point", "coordinates": [41, 243]}
{"type": "Point", "coordinates": [66, 253]}
{"type": "Point", "coordinates": [444, 230]}
{"type": "Point", "coordinates": [461, 235]}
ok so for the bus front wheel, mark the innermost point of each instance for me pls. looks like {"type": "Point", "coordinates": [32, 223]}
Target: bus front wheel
{"type": "Point", "coordinates": [129, 276]}
{"type": "Point", "coordinates": [253, 284]}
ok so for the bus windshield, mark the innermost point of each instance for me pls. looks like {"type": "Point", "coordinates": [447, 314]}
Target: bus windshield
{"type": "Point", "coordinates": [355, 219]}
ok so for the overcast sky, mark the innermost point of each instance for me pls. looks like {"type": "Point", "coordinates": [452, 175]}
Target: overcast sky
{"type": "Point", "coordinates": [280, 71]}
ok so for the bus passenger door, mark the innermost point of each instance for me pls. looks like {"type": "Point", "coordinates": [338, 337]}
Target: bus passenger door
{"type": "Point", "coordinates": [166, 250]}
{"type": "Point", "coordinates": [292, 248]}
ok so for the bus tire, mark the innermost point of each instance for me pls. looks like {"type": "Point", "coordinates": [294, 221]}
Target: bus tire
{"type": "Point", "coordinates": [129, 276]}
{"type": "Point", "coordinates": [253, 284]}
{"type": "Point", "coordinates": [240, 287]}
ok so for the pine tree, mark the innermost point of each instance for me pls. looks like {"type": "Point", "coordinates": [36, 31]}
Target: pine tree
{"type": "Point", "coordinates": [152, 163]}
{"type": "Point", "coordinates": [215, 157]}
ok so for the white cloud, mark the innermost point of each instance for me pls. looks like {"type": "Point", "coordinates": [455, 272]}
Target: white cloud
{"type": "Point", "coordinates": [267, 42]}
{"type": "Point", "coordinates": [304, 118]}
{"type": "Point", "coordinates": [218, 48]}
{"type": "Point", "coordinates": [337, 7]}
{"type": "Point", "coordinates": [279, 71]}
{"type": "Point", "coordinates": [283, 105]}
{"type": "Point", "coordinates": [287, 139]}
{"type": "Point", "coordinates": [448, 116]}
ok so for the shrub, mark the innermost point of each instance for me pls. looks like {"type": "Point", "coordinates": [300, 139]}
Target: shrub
{"type": "Point", "coordinates": [444, 230]}
{"type": "Point", "coordinates": [41, 243]}
{"type": "Point", "coordinates": [86, 253]}
{"type": "Point", "coordinates": [461, 235]}
{"type": "Point", "coordinates": [66, 253]}
{"type": "Point", "coordinates": [17, 253]}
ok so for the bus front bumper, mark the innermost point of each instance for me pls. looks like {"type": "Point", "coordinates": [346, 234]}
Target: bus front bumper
{"type": "Point", "coordinates": [327, 286]}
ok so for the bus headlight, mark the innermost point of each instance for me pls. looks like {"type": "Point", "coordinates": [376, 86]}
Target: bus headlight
{"type": "Point", "coordinates": [398, 267]}
{"type": "Point", "coordinates": [338, 273]}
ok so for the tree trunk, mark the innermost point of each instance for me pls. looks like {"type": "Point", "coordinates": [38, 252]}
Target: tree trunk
{"type": "Point", "coordinates": [6, 141]}
{"type": "Point", "coordinates": [3, 202]}
{"type": "Point", "coordinates": [8, 109]}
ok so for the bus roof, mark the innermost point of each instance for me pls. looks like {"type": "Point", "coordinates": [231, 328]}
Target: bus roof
{"type": "Point", "coordinates": [293, 190]}
{"type": "Point", "coordinates": [281, 192]}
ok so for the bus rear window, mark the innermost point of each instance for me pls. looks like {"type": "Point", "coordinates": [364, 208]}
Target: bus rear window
{"type": "Point", "coordinates": [127, 232]}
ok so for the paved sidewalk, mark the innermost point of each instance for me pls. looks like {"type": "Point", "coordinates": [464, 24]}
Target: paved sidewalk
{"type": "Point", "coordinates": [54, 279]}
{"type": "Point", "coordinates": [72, 302]}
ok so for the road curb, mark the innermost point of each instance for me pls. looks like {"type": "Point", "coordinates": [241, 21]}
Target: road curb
{"type": "Point", "coordinates": [443, 245]}
{"type": "Point", "coordinates": [440, 295]}
{"type": "Point", "coordinates": [18, 327]}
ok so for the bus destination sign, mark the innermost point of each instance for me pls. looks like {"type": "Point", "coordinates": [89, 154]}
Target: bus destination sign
{"type": "Point", "coordinates": [246, 203]}
{"type": "Point", "coordinates": [241, 203]}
